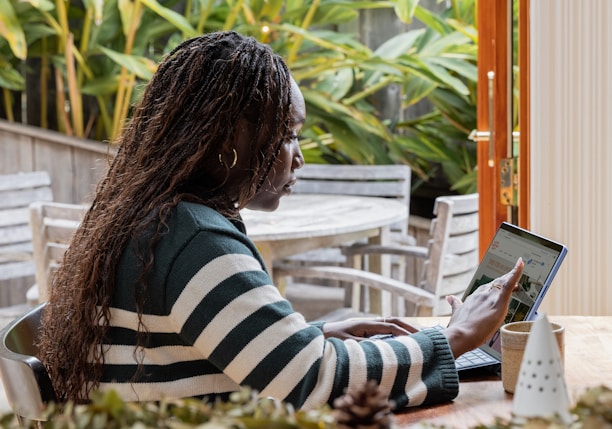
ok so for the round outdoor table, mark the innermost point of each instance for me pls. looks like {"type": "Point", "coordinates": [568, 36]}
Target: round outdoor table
{"type": "Point", "coordinates": [310, 221]}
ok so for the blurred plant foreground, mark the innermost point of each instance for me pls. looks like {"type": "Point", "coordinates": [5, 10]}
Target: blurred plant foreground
{"type": "Point", "coordinates": [385, 81]}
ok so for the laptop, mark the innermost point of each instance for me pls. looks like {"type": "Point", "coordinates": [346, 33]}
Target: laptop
{"type": "Point", "coordinates": [542, 258]}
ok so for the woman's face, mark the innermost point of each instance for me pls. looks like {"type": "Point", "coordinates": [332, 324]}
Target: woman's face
{"type": "Point", "coordinates": [282, 174]}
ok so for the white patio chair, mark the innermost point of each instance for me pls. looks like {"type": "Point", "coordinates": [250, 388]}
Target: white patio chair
{"type": "Point", "coordinates": [449, 260]}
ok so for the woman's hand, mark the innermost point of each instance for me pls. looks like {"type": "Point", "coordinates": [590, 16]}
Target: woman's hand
{"type": "Point", "coordinates": [482, 313]}
{"type": "Point", "coordinates": [362, 329]}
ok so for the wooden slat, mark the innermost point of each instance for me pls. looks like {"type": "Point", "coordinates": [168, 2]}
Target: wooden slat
{"type": "Point", "coordinates": [14, 216]}
{"type": "Point", "coordinates": [35, 179]}
{"type": "Point", "coordinates": [59, 230]}
{"type": "Point", "coordinates": [21, 198]}
{"type": "Point", "coordinates": [17, 191]}
{"type": "Point", "coordinates": [456, 264]}
{"type": "Point", "coordinates": [462, 243]}
{"type": "Point", "coordinates": [13, 270]}
{"type": "Point", "coordinates": [17, 234]}
{"type": "Point", "coordinates": [462, 224]}
{"type": "Point", "coordinates": [368, 180]}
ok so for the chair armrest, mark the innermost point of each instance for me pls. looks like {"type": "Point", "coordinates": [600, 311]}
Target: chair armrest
{"type": "Point", "coordinates": [390, 249]}
{"type": "Point", "coordinates": [406, 291]}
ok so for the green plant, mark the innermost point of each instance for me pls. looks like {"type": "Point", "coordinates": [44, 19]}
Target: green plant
{"type": "Point", "coordinates": [245, 410]}
{"type": "Point", "coordinates": [90, 57]}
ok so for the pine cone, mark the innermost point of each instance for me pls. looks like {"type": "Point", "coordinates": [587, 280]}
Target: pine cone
{"type": "Point", "coordinates": [366, 408]}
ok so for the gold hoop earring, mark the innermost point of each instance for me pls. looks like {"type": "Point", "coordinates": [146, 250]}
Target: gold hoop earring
{"type": "Point", "coordinates": [235, 158]}
{"type": "Point", "coordinates": [233, 164]}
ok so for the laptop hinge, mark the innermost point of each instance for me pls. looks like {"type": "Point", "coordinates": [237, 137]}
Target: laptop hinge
{"type": "Point", "coordinates": [508, 189]}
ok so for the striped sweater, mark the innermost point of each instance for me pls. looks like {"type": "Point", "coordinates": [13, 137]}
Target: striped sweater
{"type": "Point", "coordinates": [215, 322]}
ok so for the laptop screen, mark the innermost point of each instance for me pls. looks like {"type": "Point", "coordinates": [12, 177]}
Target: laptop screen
{"type": "Point", "coordinates": [541, 257]}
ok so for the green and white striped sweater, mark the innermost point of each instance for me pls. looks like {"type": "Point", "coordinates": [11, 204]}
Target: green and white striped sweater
{"type": "Point", "coordinates": [215, 321]}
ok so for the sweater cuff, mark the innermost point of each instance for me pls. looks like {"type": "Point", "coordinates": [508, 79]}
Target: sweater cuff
{"type": "Point", "coordinates": [318, 324]}
{"type": "Point", "coordinates": [447, 388]}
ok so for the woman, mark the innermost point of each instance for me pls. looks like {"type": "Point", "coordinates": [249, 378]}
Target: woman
{"type": "Point", "coordinates": [162, 294]}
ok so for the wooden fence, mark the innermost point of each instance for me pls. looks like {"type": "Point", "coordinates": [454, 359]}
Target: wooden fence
{"type": "Point", "coordinates": [75, 165]}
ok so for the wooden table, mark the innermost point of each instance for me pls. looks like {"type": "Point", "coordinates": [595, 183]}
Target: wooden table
{"type": "Point", "coordinates": [588, 363]}
{"type": "Point", "coordinates": [310, 221]}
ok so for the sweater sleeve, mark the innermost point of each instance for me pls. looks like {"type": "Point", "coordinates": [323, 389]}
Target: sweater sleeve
{"type": "Point", "coordinates": [228, 309]}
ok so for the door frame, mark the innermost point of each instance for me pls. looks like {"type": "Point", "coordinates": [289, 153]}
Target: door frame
{"type": "Point", "coordinates": [495, 55]}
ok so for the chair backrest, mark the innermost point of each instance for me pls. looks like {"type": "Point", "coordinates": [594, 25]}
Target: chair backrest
{"type": "Point", "coordinates": [450, 260]}
{"type": "Point", "coordinates": [26, 382]}
{"type": "Point", "coordinates": [453, 248]}
{"type": "Point", "coordinates": [388, 181]}
{"type": "Point", "coordinates": [17, 191]}
{"type": "Point", "coordinates": [52, 225]}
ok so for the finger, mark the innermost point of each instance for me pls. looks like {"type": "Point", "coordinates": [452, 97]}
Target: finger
{"type": "Point", "coordinates": [454, 302]}
{"type": "Point", "coordinates": [404, 325]}
{"type": "Point", "coordinates": [396, 330]}
{"type": "Point", "coordinates": [510, 279]}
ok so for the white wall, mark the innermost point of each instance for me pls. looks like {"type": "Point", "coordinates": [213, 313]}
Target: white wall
{"type": "Point", "coordinates": [571, 144]}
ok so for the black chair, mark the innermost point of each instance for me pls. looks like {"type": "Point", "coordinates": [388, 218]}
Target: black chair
{"type": "Point", "coordinates": [26, 381]}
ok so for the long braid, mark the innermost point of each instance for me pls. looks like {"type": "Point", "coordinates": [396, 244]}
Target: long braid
{"type": "Point", "coordinates": [185, 119]}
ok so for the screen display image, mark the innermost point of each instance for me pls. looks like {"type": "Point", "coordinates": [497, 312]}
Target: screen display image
{"type": "Point", "coordinates": [541, 259]}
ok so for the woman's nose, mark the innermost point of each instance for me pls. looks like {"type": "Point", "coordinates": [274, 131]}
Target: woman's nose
{"type": "Point", "coordinates": [298, 158]}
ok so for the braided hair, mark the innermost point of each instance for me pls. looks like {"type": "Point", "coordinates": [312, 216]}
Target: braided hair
{"type": "Point", "coordinates": [187, 117]}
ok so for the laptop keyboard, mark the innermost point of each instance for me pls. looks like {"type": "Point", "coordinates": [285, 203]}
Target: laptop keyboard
{"type": "Point", "coordinates": [473, 358]}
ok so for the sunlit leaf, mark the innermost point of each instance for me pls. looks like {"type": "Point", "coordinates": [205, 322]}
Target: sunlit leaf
{"type": "Point", "coordinates": [461, 67]}
{"type": "Point", "coordinates": [171, 16]}
{"type": "Point", "coordinates": [43, 5]}
{"type": "Point", "coordinates": [444, 76]}
{"type": "Point", "coordinates": [401, 44]}
{"type": "Point", "coordinates": [431, 20]}
{"type": "Point", "coordinates": [11, 30]}
{"type": "Point", "coordinates": [338, 84]}
{"type": "Point", "coordinates": [405, 9]}
{"type": "Point", "coordinates": [140, 66]}
{"type": "Point", "coordinates": [130, 15]}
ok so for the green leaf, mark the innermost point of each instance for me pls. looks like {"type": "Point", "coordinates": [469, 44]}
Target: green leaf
{"type": "Point", "coordinates": [331, 14]}
{"type": "Point", "coordinates": [415, 89]}
{"type": "Point", "coordinates": [263, 10]}
{"type": "Point", "coordinates": [140, 66]}
{"type": "Point", "coordinates": [439, 45]}
{"type": "Point", "coordinates": [176, 19]}
{"type": "Point", "coordinates": [460, 66]}
{"type": "Point", "coordinates": [367, 122]}
{"type": "Point", "coordinates": [398, 45]}
{"type": "Point", "coordinates": [11, 30]}
{"type": "Point", "coordinates": [337, 84]}
{"type": "Point", "coordinates": [405, 9]}
{"type": "Point", "coordinates": [42, 5]}
{"type": "Point", "coordinates": [11, 78]}
{"type": "Point", "coordinates": [129, 14]}
{"type": "Point", "coordinates": [443, 75]}
{"type": "Point", "coordinates": [424, 148]}
{"type": "Point", "coordinates": [431, 20]}
{"type": "Point", "coordinates": [106, 85]}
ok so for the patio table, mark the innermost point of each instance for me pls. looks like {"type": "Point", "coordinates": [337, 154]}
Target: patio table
{"type": "Point", "coordinates": [310, 221]}
{"type": "Point", "coordinates": [588, 347]}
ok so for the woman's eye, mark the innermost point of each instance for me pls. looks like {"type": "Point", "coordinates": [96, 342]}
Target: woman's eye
{"type": "Point", "coordinates": [291, 137]}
